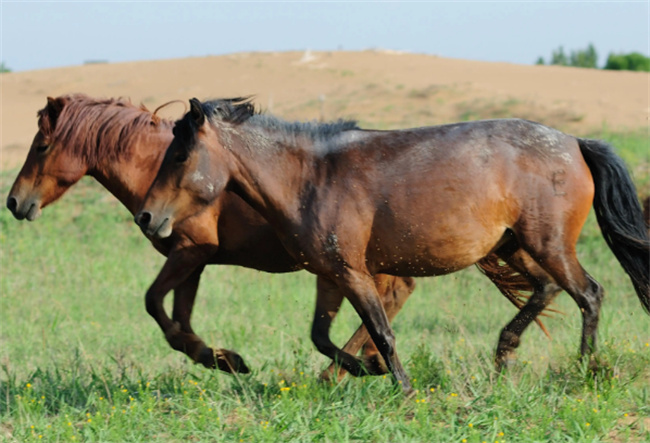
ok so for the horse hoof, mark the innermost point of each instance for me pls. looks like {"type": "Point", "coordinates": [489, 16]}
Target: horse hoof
{"type": "Point", "coordinates": [505, 361]}
{"type": "Point", "coordinates": [223, 359]}
{"type": "Point", "coordinates": [230, 361]}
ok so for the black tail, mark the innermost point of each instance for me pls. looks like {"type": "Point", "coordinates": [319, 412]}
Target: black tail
{"type": "Point", "coordinates": [619, 214]}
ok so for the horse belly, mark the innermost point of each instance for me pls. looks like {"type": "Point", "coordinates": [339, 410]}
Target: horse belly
{"type": "Point", "coordinates": [435, 250]}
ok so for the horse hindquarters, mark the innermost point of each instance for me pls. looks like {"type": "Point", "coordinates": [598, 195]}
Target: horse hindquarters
{"type": "Point", "coordinates": [548, 230]}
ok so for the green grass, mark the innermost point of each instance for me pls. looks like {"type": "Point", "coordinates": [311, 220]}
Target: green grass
{"type": "Point", "coordinates": [82, 361]}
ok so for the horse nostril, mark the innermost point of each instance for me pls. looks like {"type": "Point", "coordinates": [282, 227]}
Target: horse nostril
{"type": "Point", "coordinates": [143, 219]}
{"type": "Point", "coordinates": [12, 204]}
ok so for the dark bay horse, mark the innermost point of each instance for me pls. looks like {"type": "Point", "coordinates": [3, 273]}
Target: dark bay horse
{"type": "Point", "coordinates": [351, 203]}
{"type": "Point", "coordinates": [122, 146]}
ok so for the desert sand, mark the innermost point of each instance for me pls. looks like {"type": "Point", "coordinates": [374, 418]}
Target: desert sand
{"type": "Point", "coordinates": [380, 89]}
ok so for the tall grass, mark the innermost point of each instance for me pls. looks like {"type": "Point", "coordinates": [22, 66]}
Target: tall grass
{"type": "Point", "coordinates": [82, 361]}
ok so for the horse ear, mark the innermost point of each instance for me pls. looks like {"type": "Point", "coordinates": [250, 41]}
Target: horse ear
{"type": "Point", "coordinates": [55, 105]}
{"type": "Point", "coordinates": [51, 112]}
{"type": "Point", "coordinates": [196, 112]}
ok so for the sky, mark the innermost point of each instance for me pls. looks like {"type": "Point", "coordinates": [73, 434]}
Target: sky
{"type": "Point", "coordinates": [38, 35]}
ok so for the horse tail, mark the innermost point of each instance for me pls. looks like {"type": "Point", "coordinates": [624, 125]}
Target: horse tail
{"type": "Point", "coordinates": [514, 286]}
{"type": "Point", "coordinates": [619, 214]}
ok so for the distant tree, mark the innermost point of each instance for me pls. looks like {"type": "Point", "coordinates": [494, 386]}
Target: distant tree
{"type": "Point", "coordinates": [587, 58]}
{"type": "Point", "coordinates": [633, 61]}
{"type": "Point", "coordinates": [558, 57]}
{"type": "Point", "coordinates": [584, 58]}
{"type": "Point", "coordinates": [4, 68]}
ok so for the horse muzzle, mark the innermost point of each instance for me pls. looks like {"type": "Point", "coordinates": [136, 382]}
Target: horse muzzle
{"type": "Point", "coordinates": [28, 208]}
{"type": "Point", "coordinates": [157, 227]}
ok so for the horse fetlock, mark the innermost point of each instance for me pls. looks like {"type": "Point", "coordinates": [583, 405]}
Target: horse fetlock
{"type": "Point", "coordinates": [375, 365]}
{"type": "Point", "coordinates": [508, 341]}
{"type": "Point", "coordinates": [352, 364]}
{"type": "Point", "coordinates": [189, 344]}
{"type": "Point", "coordinates": [505, 355]}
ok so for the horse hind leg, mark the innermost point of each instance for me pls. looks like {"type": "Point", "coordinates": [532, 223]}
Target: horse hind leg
{"type": "Point", "coordinates": [544, 291]}
{"type": "Point", "coordinates": [583, 288]}
{"type": "Point", "coordinates": [553, 249]}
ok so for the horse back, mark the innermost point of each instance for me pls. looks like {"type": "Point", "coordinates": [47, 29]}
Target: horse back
{"type": "Point", "coordinates": [444, 196]}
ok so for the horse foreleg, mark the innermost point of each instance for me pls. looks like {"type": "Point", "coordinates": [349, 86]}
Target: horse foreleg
{"type": "Point", "coordinates": [394, 291]}
{"type": "Point", "coordinates": [360, 290]}
{"type": "Point", "coordinates": [187, 341]}
{"type": "Point", "coordinates": [182, 272]}
{"type": "Point", "coordinates": [328, 303]}
{"type": "Point", "coordinates": [362, 293]}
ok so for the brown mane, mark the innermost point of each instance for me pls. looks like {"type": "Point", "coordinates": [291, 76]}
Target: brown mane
{"type": "Point", "coordinates": [92, 128]}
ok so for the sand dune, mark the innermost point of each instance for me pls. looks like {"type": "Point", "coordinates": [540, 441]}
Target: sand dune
{"type": "Point", "coordinates": [381, 89]}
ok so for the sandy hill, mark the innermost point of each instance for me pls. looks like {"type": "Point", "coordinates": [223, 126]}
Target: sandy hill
{"type": "Point", "coordinates": [381, 89]}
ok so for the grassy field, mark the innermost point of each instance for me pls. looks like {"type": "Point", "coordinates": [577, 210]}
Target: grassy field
{"type": "Point", "coordinates": [82, 361]}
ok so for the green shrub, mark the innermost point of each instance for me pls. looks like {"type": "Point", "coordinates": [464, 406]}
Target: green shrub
{"type": "Point", "coordinates": [634, 61]}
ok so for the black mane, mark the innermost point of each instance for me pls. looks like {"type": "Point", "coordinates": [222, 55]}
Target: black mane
{"type": "Point", "coordinates": [313, 129]}
{"type": "Point", "coordinates": [241, 110]}
{"type": "Point", "coordinates": [232, 110]}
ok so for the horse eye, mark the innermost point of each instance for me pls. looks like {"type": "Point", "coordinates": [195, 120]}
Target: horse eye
{"type": "Point", "coordinates": [181, 157]}
{"type": "Point", "coordinates": [42, 148]}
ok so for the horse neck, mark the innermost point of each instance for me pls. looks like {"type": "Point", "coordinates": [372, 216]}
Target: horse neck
{"type": "Point", "coordinates": [129, 175]}
{"type": "Point", "coordinates": [270, 178]}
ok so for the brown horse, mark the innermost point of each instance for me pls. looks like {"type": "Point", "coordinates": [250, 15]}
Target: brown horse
{"type": "Point", "coordinates": [122, 146]}
{"type": "Point", "coordinates": [350, 203]}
